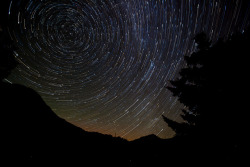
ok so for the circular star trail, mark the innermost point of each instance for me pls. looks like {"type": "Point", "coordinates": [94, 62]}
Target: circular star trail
{"type": "Point", "coordinates": [103, 65]}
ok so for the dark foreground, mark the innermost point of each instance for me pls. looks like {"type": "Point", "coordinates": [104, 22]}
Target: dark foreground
{"type": "Point", "coordinates": [32, 135]}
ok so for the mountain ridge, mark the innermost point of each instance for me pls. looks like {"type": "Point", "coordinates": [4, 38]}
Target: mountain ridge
{"type": "Point", "coordinates": [34, 134]}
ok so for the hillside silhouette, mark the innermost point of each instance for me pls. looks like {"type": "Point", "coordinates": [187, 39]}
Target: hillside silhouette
{"type": "Point", "coordinates": [32, 133]}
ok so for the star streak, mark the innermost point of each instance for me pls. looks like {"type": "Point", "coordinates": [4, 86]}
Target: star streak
{"type": "Point", "coordinates": [103, 65]}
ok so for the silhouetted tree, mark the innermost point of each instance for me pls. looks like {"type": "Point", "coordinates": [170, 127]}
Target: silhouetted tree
{"type": "Point", "coordinates": [213, 87]}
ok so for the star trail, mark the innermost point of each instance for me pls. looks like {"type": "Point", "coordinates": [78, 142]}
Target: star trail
{"type": "Point", "coordinates": [103, 65]}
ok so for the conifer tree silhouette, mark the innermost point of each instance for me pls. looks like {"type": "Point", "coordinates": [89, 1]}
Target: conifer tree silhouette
{"type": "Point", "coordinates": [212, 87]}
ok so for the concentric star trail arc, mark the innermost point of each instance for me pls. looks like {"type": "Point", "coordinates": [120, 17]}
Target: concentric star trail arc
{"type": "Point", "coordinates": [103, 65]}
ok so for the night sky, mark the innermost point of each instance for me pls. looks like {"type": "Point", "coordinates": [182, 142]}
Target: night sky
{"type": "Point", "coordinates": [103, 65]}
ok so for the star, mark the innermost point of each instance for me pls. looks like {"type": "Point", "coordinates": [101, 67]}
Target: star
{"type": "Point", "coordinates": [104, 65]}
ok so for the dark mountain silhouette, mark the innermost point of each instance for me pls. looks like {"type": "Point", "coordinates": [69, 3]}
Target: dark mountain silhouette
{"type": "Point", "coordinates": [32, 133]}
